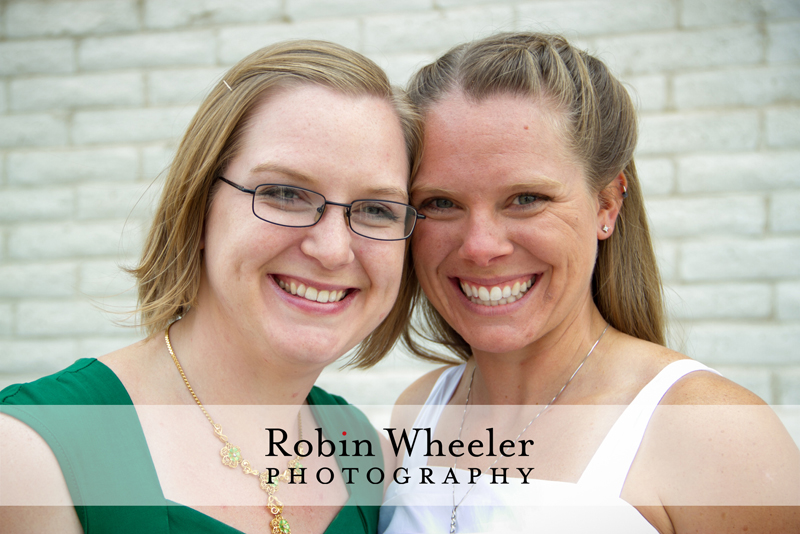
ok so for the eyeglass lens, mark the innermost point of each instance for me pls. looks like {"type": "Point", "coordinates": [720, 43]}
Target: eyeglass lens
{"type": "Point", "coordinates": [294, 206]}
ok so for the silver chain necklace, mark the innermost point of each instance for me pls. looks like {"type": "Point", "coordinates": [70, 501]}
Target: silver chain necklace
{"type": "Point", "coordinates": [535, 417]}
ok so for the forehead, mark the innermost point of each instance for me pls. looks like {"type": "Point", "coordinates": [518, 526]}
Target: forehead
{"type": "Point", "coordinates": [324, 135]}
{"type": "Point", "coordinates": [502, 136]}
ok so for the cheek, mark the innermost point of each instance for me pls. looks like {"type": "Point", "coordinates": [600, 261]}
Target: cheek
{"type": "Point", "coordinates": [386, 267]}
{"type": "Point", "coordinates": [431, 244]}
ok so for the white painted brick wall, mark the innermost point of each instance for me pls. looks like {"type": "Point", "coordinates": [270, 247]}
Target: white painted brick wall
{"type": "Point", "coordinates": [69, 92]}
{"type": "Point", "coordinates": [40, 356]}
{"type": "Point", "coordinates": [156, 160]}
{"type": "Point", "coordinates": [785, 207]}
{"type": "Point", "coordinates": [35, 204]}
{"type": "Point", "coordinates": [656, 175]}
{"type": "Point", "coordinates": [130, 126]}
{"type": "Point", "coordinates": [3, 97]}
{"type": "Point", "coordinates": [105, 278]}
{"type": "Point", "coordinates": [719, 301]}
{"type": "Point", "coordinates": [6, 318]}
{"type": "Point", "coordinates": [169, 14]}
{"type": "Point", "coordinates": [147, 50]}
{"type": "Point", "coordinates": [741, 259]}
{"type": "Point", "coordinates": [592, 17]}
{"type": "Point", "coordinates": [689, 216]}
{"type": "Point", "coordinates": [783, 45]}
{"type": "Point", "coordinates": [744, 343]}
{"type": "Point", "coordinates": [649, 92]}
{"type": "Point", "coordinates": [312, 9]}
{"type": "Point", "coordinates": [236, 43]}
{"type": "Point", "coordinates": [37, 56]}
{"type": "Point", "coordinates": [119, 164]}
{"type": "Point", "coordinates": [667, 257]}
{"type": "Point", "coordinates": [94, 95]}
{"type": "Point", "coordinates": [111, 200]}
{"type": "Point", "coordinates": [790, 387]}
{"type": "Point", "coordinates": [699, 131]}
{"type": "Point", "coordinates": [174, 86]}
{"type": "Point", "coordinates": [32, 18]}
{"type": "Point", "coordinates": [748, 171]}
{"type": "Point", "coordinates": [400, 67]}
{"type": "Point", "coordinates": [737, 87]}
{"type": "Point", "coordinates": [69, 240]}
{"type": "Point", "coordinates": [35, 129]}
{"type": "Point", "coordinates": [673, 51]}
{"type": "Point", "coordinates": [788, 300]}
{"type": "Point", "coordinates": [431, 30]}
{"type": "Point", "coordinates": [782, 130]}
{"type": "Point", "coordinates": [719, 12]}
{"type": "Point", "coordinates": [33, 279]}
{"type": "Point", "coordinates": [61, 318]}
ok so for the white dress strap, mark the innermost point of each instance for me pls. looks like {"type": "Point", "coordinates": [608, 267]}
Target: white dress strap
{"type": "Point", "coordinates": [432, 410]}
{"type": "Point", "coordinates": [609, 466]}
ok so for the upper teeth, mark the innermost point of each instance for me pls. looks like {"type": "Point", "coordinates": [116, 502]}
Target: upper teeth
{"type": "Point", "coordinates": [495, 295]}
{"type": "Point", "coordinates": [312, 293]}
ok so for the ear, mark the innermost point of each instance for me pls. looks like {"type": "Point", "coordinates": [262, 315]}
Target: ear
{"type": "Point", "coordinates": [609, 204]}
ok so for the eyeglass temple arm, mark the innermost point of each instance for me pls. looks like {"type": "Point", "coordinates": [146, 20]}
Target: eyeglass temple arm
{"type": "Point", "coordinates": [237, 186]}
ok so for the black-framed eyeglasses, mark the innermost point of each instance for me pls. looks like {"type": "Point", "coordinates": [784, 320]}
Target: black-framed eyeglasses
{"type": "Point", "coordinates": [296, 207]}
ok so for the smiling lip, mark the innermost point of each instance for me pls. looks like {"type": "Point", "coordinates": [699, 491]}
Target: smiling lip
{"type": "Point", "coordinates": [496, 295]}
{"type": "Point", "coordinates": [314, 293]}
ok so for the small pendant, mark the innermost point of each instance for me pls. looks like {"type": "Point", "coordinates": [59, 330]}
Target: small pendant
{"type": "Point", "coordinates": [280, 525]}
{"type": "Point", "coordinates": [231, 455]}
{"type": "Point", "coordinates": [453, 522]}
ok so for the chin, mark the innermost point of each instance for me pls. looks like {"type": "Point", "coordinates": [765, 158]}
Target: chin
{"type": "Point", "coordinates": [497, 341]}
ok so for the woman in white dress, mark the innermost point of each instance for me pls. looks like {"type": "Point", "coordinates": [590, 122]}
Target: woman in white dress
{"type": "Point", "coordinates": [538, 272]}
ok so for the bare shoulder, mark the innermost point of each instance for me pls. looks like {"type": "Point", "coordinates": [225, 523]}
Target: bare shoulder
{"type": "Point", "coordinates": [708, 388]}
{"type": "Point", "coordinates": [417, 393]}
{"type": "Point", "coordinates": [33, 493]}
{"type": "Point", "coordinates": [719, 459]}
{"type": "Point", "coordinates": [143, 370]}
{"type": "Point", "coordinates": [129, 359]}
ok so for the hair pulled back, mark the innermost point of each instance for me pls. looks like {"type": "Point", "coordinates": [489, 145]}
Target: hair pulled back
{"type": "Point", "coordinates": [168, 274]}
{"type": "Point", "coordinates": [601, 129]}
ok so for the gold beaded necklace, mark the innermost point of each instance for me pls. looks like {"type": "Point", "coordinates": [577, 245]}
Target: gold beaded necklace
{"type": "Point", "coordinates": [232, 457]}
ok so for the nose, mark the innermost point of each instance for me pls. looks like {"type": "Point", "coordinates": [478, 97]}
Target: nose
{"type": "Point", "coordinates": [330, 240]}
{"type": "Point", "coordinates": [485, 240]}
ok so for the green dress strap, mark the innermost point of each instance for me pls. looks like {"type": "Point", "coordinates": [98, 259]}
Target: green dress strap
{"type": "Point", "coordinates": [111, 476]}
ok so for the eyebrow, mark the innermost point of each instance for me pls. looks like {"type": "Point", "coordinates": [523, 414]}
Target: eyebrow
{"type": "Point", "coordinates": [310, 182]}
{"type": "Point", "coordinates": [536, 181]}
{"type": "Point", "coordinates": [291, 173]}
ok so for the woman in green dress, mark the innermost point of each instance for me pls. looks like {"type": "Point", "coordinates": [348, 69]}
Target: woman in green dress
{"type": "Point", "coordinates": [277, 247]}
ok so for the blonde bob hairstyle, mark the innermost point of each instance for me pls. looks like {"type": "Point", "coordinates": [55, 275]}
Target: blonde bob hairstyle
{"type": "Point", "coordinates": [168, 274]}
{"type": "Point", "coordinates": [600, 123]}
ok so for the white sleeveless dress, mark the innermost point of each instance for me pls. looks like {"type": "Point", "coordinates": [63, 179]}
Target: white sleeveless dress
{"type": "Point", "coordinates": [593, 504]}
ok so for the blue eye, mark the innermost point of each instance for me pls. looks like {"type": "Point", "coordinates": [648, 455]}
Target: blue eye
{"type": "Point", "coordinates": [525, 198]}
{"type": "Point", "coordinates": [376, 213]}
{"type": "Point", "coordinates": [440, 203]}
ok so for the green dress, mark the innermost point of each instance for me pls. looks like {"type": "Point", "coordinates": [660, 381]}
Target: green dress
{"type": "Point", "coordinates": [84, 411]}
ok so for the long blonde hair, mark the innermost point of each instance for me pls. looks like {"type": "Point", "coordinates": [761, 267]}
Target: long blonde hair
{"type": "Point", "coordinates": [601, 128]}
{"type": "Point", "coordinates": [168, 274]}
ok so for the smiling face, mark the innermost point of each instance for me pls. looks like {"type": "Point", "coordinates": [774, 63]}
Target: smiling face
{"type": "Point", "coordinates": [345, 148]}
{"type": "Point", "coordinates": [509, 244]}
